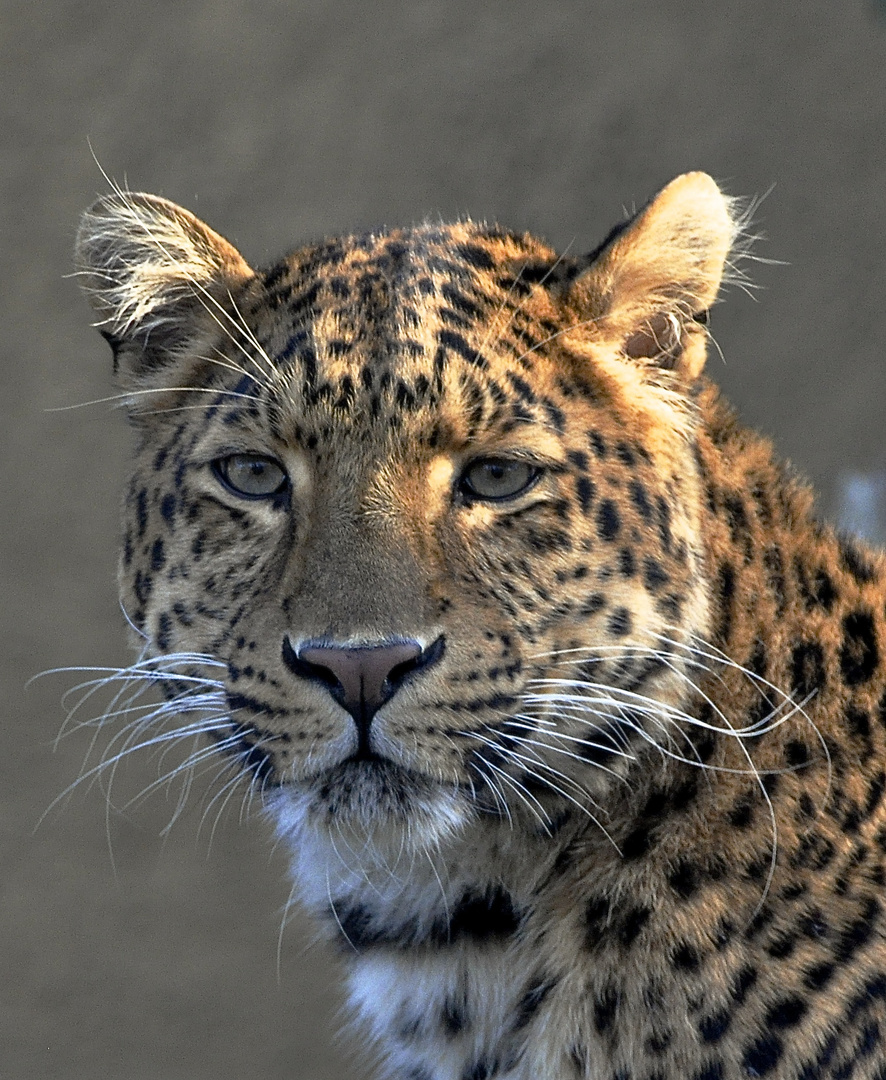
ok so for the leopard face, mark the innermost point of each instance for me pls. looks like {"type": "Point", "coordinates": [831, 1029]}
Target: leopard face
{"type": "Point", "coordinates": [425, 500]}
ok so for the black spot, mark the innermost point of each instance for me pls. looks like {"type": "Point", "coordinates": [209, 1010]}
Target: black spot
{"type": "Point", "coordinates": [448, 339]}
{"type": "Point", "coordinates": [631, 925]}
{"type": "Point", "coordinates": [556, 416]}
{"type": "Point", "coordinates": [782, 945]}
{"type": "Point", "coordinates": [713, 1028]}
{"type": "Point", "coordinates": [167, 508]}
{"type": "Point", "coordinates": [454, 1016]}
{"type": "Point", "coordinates": [659, 1042]}
{"type": "Point", "coordinates": [625, 454]}
{"type": "Point", "coordinates": [859, 654]}
{"type": "Point", "coordinates": [664, 522]}
{"type": "Point", "coordinates": [460, 302]}
{"type": "Point", "coordinates": [875, 793]}
{"type": "Point", "coordinates": [640, 500]}
{"type": "Point", "coordinates": [158, 555]}
{"type": "Point", "coordinates": [597, 912]}
{"type": "Point", "coordinates": [859, 723]}
{"type": "Point", "coordinates": [786, 1013]}
{"type": "Point", "coordinates": [164, 632]}
{"type": "Point", "coordinates": [796, 753]}
{"type": "Point", "coordinates": [620, 623]}
{"type": "Point", "coordinates": [820, 591]}
{"type": "Point", "coordinates": [726, 597]}
{"type": "Point", "coordinates": [774, 565]}
{"type": "Point", "coordinates": [531, 1001]}
{"type": "Point", "coordinates": [597, 443]}
{"type": "Point", "coordinates": [244, 702]}
{"type": "Point", "coordinates": [592, 604]}
{"type": "Point", "coordinates": [737, 518]}
{"type": "Point", "coordinates": [686, 957]}
{"type": "Point", "coordinates": [475, 256]}
{"type": "Point", "coordinates": [859, 932]}
{"type": "Point", "coordinates": [873, 990]}
{"type": "Point", "coordinates": [714, 1071]}
{"type": "Point", "coordinates": [763, 1056]}
{"type": "Point", "coordinates": [654, 574]}
{"type": "Point", "coordinates": [418, 1072]}
{"type": "Point", "coordinates": [656, 804]}
{"type": "Point", "coordinates": [683, 879]}
{"type": "Point", "coordinates": [608, 520]}
{"type": "Point", "coordinates": [605, 1007]}
{"type": "Point", "coordinates": [824, 593]}
{"type": "Point", "coordinates": [484, 1069]}
{"type": "Point", "coordinates": [488, 916]}
{"type": "Point", "coordinates": [584, 491]}
{"type": "Point", "coordinates": [599, 748]}
{"type": "Point", "coordinates": [579, 1057]}
{"type": "Point", "coordinates": [524, 390]}
{"type": "Point", "coordinates": [355, 924]}
{"type": "Point", "coordinates": [743, 984]}
{"type": "Point", "coordinates": [685, 794]}
{"type": "Point", "coordinates": [741, 815]}
{"type": "Point", "coordinates": [142, 586]}
{"type": "Point", "coordinates": [819, 975]}
{"type": "Point", "coordinates": [141, 512]}
{"type": "Point", "coordinates": [637, 843]}
{"type": "Point", "coordinates": [627, 566]}
{"type": "Point", "coordinates": [856, 563]}
{"type": "Point", "coordinates": [807, 669]}
{"type": "Point", "coordinates": [816, 1070]}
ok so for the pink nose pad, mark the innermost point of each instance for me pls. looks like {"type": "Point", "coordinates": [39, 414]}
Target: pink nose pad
{"type": "Point", "coordinates": [361, 679]}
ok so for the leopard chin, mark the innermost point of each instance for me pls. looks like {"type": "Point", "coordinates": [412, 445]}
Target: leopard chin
{"type": "Point", "coordinates": [373, 805]}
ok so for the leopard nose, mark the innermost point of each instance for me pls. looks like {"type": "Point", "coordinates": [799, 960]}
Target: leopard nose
{"type": "Point", "coordinates": [361, 679]}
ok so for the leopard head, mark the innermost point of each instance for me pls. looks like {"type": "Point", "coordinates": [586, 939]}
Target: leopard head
{"type": "Point", "coordinates": [413, 522]}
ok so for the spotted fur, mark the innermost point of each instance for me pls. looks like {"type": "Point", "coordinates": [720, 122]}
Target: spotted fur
{"type": "Point", "coordinates": [619, 814]}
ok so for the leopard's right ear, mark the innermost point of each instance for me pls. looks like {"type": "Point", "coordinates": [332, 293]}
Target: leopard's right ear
{"type": "Point", "coordinates": [154, 274]}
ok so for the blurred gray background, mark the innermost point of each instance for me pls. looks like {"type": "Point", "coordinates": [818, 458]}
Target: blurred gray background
{"type": "Point", "coordinates": [280, 122]}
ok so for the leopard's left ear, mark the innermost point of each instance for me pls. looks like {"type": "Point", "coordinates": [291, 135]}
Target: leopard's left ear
{"type": "Point", "coordinates": [649, 286]}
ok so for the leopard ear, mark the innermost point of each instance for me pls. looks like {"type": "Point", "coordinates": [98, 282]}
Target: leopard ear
{"type": "Point", "coordinates": [650, 284]}
{"type": "Point", "coordinates": [154, 274]}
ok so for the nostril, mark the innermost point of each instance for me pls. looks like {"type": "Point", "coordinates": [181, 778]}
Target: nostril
{"type": "Point", "coordinates": [299, 665]}
{"type": "Point", "coordinates": [424, 659]}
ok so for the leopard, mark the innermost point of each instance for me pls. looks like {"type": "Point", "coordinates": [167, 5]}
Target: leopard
{"type": "Point", "coordinates": [566, 706]}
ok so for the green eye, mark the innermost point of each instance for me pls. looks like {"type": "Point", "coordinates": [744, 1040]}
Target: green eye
{"type": "Point", "coordinates": [498, 478]}
{"type": "Point", "coordinates": [251, 476]}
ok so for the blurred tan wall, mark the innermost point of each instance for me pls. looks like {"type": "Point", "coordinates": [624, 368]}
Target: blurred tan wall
{"type": "Point", "coordinates": [277, 122]}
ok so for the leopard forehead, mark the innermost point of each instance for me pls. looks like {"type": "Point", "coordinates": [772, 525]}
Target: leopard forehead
{"type": "Point", "coordinates": [392, 331]}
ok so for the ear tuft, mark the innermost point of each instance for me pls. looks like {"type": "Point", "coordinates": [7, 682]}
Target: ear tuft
{"type": "Point", "coordinates": [146, 263]}
{"type": "Point", "coordinates": [651, 284]}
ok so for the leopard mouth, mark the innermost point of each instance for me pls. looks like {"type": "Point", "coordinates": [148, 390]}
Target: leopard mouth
{"type": "Point", "coordinates": [380, 802]}
{"type": "Point", "coordinates": [368, 785]}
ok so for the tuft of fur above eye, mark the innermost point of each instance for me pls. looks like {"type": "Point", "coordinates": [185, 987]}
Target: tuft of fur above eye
{"type": "Point", "coordinates": [251, 476]}
{"type": "Point", "coordinates": [497, 479]}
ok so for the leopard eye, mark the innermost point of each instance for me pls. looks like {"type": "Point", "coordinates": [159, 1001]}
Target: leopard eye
{"type": "Point", "coordinates": [251, 476]}
{"type": "Point", "coordinates": [498, 478]}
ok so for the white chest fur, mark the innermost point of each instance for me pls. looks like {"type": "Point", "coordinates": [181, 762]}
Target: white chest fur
{"type": "Point", "coordinates": [445, 972]}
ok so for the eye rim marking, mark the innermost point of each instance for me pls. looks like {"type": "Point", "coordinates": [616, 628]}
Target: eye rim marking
{"type": "Point", "coordinates": [472, 495]}
{"type": "Point", "coordinates": [220, 468]}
